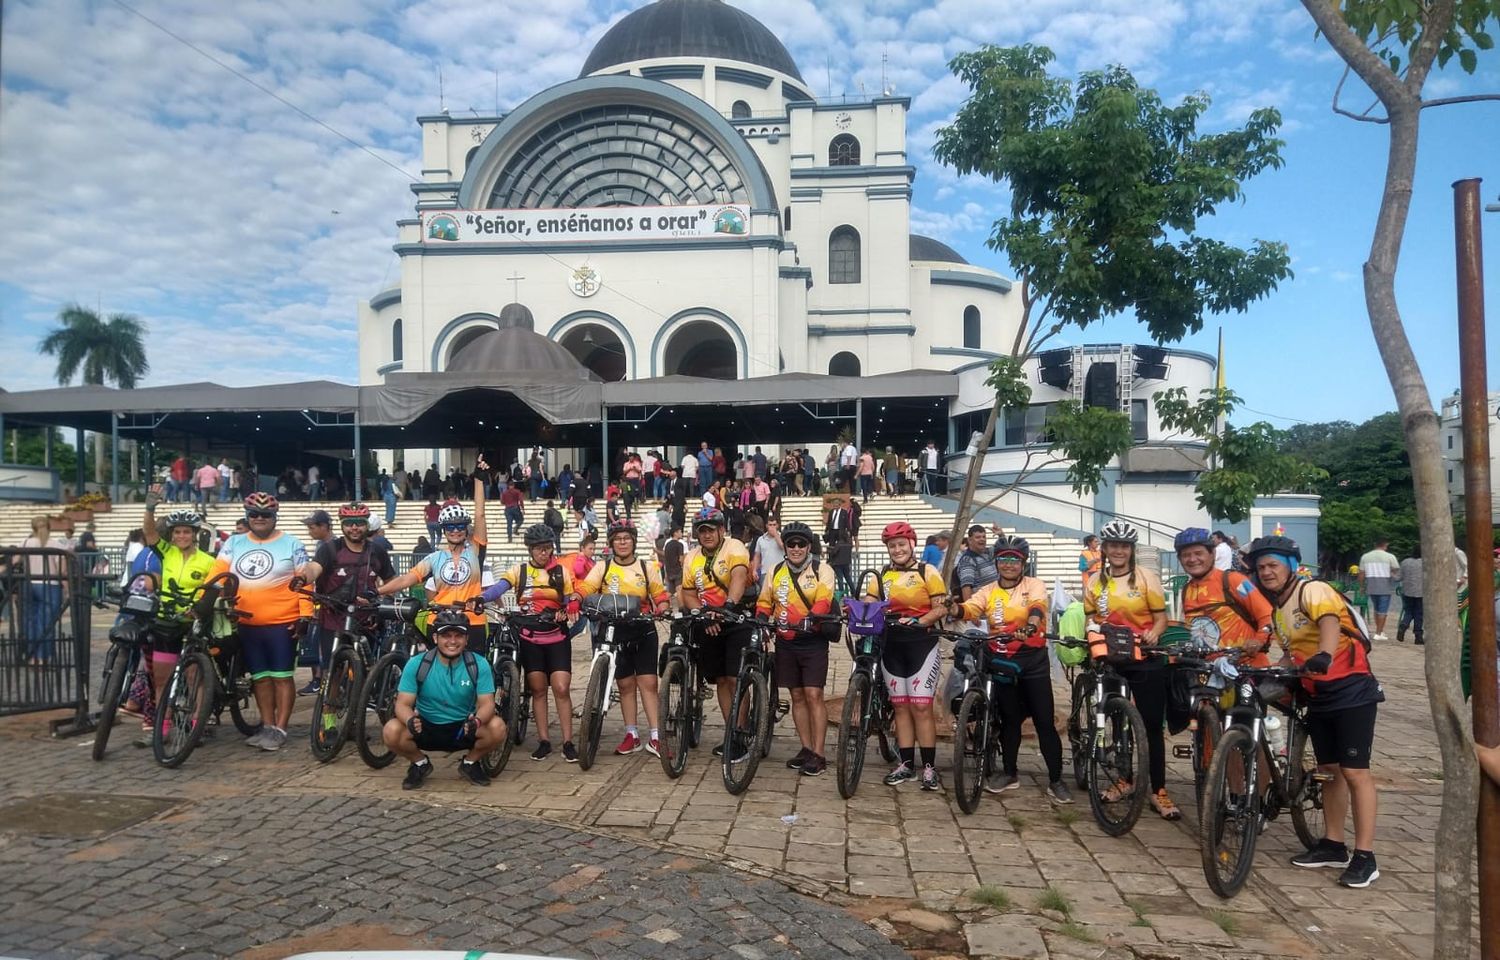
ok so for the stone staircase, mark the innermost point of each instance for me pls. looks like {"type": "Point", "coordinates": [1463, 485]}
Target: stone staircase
{"type": "Point", "coordinates": [1056, 557]}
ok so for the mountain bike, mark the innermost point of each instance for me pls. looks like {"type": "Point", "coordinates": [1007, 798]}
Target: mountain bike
{"type": "Point", "coordinates": [680, 697]}
{"type": "Point", "coordinates": [128, 638]}
{"type": "Point", "coordinates": [867, 702]}
{"type": "Point", "coordinates": [210, 675]}
{"type": "Point", "coordinates": [977, 753]}
{"type": "Point", "coordinates": [512, 700]}
{"type": "Point", "coordinates": [602, 668]}
{"type": "Point", "coordinates": [1251, 781]}
{"type": "Point", "coordinates": [335, 712]}
{"type": "Point", "coordinates": [379, 693]}
{"type": "Point", "coordinates": [1206, 710]}
{"type": "Point", "coordinates": [752, 712]}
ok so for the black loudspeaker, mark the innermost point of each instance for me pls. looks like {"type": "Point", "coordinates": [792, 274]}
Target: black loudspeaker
{"type": "Point", "coordinates": [1055, 368]}
{"type": "Point", "coordinates": [1101, 387]}
{"type": "Point", "coordinates": [1151, 363]}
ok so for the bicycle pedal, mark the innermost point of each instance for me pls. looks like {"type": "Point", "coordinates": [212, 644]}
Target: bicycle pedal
{"type": "Point", "coordinates": [1320, 777]}
{"type": "Point", "coordinates": [1182, 751]}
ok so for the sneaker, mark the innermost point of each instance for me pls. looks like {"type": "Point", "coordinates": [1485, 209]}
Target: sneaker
{"type": "Point", "coordinates": [474, 773]}
{"type": "Point", "coordinates": [900, 775]}
{"type": "Point", "coordinates": [814, 766]}
{"type": "Point", "coordinates": [930, 778]}
{"type": "Point", "coordinates": [255, 739]}
{"type": "Point", "coordinates": [1361, 871]}
{"type": "Point", "coordinates": [799, 760]}
{"type": "Point", "coordinates": [274, 739]}
{"type": "Point", "coordinates": [741, 752]}
{"type": "Point", "coordinates": [1058, 792]}
{"type": "Point", "coordinates": [415, 774]}
{"type": "Point", "coordinates": [631, 744]}
{"type": "Point", "coordinates": [543, 750]}
{"type": "Point", "coordinates": [653, 746]}
{"type": "Point", "coordinates": [1001, 782]}
{"type": "Point", "coordinates": [570, 752]}
{"type": "Point", "coordinates": [1163, 805]}
{"type": "Point", "coordinates": [1325, 853]}
{"type": "Point", "coordinates": [310, 689]}
{"type": "Point", "coordinates": [718, 750]}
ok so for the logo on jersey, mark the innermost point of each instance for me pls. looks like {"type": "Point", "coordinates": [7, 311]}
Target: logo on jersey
{"type": "Point", "coordinates": [1205, 631]}
{"type": "Point", "coordinates": [254, 565]}
{"type": "Point", "coordinates": [456, 572]}
{"type": "Point", "coordinates": [614, 584]}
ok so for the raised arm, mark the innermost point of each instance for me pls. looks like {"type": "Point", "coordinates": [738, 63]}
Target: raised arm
{"type": "Point", "coordinates": [481, 480]}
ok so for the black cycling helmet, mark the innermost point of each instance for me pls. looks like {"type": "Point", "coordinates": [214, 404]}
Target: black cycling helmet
{"type": "Point", "coordinates": [450, 620]}
{"type": "Point", "coordinates": [1011, 546]}
{"type": "Point", "coordinates": [1282, 547]}
{"type": "Point", "coordinates": [797, 530]}
{"type": "Point", "coordinates": [621, 526]}
{"type": "Point", "coordinates": [538, 534]}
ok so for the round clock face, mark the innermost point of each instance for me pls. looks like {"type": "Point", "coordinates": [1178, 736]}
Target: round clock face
{"type": "Point", "coordinates": [477, 134]}
{"type": "Point", "coordinates": [842, 121]}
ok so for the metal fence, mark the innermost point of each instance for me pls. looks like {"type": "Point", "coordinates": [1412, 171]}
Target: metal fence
{"type": "Point", "coordinates": [45, 607]}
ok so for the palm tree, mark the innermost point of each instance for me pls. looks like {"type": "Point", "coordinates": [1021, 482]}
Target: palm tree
{"type": "Point", "coordinates": [112, 350]}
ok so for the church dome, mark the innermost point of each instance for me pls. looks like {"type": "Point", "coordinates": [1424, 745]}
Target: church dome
{"type": "Point", "coordinates": [687, 29]}
{"type": "Point", "coordinates": [512, 349]}
{"type": "Point", "coordinates": [926, 248]}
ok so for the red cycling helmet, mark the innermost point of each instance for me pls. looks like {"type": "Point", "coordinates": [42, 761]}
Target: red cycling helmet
{"type": "Point", "coordinates": [354, 511]}
{"type": "Point", "coordinates": [262, 501]}
{"type": "Point", "coordinates": [898, 530]}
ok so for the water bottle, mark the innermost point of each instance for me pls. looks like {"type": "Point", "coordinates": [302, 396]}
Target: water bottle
{"type": "Point", "coordinates": [1276, 735]}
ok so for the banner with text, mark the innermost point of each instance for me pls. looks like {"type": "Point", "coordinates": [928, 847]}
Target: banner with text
{"type": "Point", "coordinates": [595, 223]}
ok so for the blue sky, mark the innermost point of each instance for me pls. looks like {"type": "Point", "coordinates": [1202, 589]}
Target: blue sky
{"type": "Point", "coordinates": [154, 182]}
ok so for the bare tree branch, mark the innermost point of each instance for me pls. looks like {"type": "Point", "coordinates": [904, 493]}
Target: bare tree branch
{"type": "Point", "coordinates": [1472, 98]}
{"type": "Point", "coordinates": [1344, 112]}
{"type": "Point", "coordinates": [1371, 69]}
{"type": "Point", "coordinates": [1435, 27]}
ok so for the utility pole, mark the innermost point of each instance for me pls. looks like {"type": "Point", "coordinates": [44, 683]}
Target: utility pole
{"type": "Point", "coordinates": [1478, 520]}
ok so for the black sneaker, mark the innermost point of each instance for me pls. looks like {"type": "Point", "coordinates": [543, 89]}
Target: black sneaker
{"type": "Point", "coordinates": [930, 778]}
{"type": "Point", "coordinates": [415, 774]}
{"type": "Point", "coordinates": [1325, 853]}
{"type": "Point", "coordinates": [814, 766]}
{"type": "Point", "coordinates": [1361, 871]}
{"type": "Point", "coordinates": [570, 753]}
{"type": "Point", "coordinates": [801, 758]}
{"type": "Point", "coordinates": [718, 751]}
{"type": "Point", "coordinates": [543, 750]}
{"type": "Point", "coordinates": [900, 775]}
{"type": "Point", "coordinates": [474, 773]}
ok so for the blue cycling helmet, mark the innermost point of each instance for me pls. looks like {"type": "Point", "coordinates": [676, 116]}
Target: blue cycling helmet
{"type": "Point", "coordinates": [709, 517]}
{"type": "Point", "coordinates": [1192, 537]}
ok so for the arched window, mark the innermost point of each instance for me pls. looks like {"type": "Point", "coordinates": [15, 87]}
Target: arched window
{"type": "Point", "coordinates": [843, 151]}
{"type": "Point", "coordinates": [740, 110]}
{"type": "Point", "coordinates": [396, 340]}
{"type": "Point", "coordinates": [843, 255]}
{"type": "Point", "coordinates": [971, 327]}
{"type": "Point", "coordinates": [843, 364]}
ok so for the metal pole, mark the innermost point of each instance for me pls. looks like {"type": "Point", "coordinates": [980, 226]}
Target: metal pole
{"type": "Point", "coordinates": [604, 444]}
{"type": "Point", "coordinates": [114, 457]}
{"type": "Point", "coordinates": [359, 462]}
{"type": "Point", "coordinates": [78, 439]}
{"type": "Point", "coordinates": [859, 426]}
{"type": "Point", "coordinates": [47, 446]}
{"type": "Point", "coordinates": [1478, 529]}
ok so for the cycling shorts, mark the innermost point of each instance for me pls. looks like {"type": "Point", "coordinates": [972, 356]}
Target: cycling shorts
{"type": "Point", "coordinates": [635, 653]}
{"type": "Point", "coordinates": [1345, 737]}
{"type": "Point", "coordinates": [719, 657]}
{"type": "Point", "coordinates": [444, 736]}
{"type": "Point", "coordinates": [166, 639]}
{"type": "Point", "coordinates": [910, 669]}
{"type": "Point", "coordinates": [548, 658]}
{"type": "Point", "coordinates": [269, 649]}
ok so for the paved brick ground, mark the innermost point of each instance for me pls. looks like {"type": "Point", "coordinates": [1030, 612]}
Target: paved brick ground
{"type": "Point", "coordinates": [1141, 895]}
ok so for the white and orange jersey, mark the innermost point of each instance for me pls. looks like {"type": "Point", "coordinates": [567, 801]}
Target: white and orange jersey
{"type": "Point", "coordinates": [265, 568]}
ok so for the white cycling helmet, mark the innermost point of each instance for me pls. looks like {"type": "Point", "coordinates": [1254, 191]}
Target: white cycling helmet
{"type": "Point", "coordinates": [183, 518]}
{"type": "Point", "coordinates": [1118, 531]}
{"type": "Point", "coordinates": [453, 513]}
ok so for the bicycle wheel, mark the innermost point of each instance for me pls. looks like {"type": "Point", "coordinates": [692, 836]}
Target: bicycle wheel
{"type": "Point", "coordinates": [768, 719]}
{"type": "Point", "coordinates": [1117, 768]}
{"type": "Point", "coordinates": [333, 707]}
{"type": "Point", "coordinates": [508, 694]}
{"type": "Point", "coordinates": [850, 762]}
{"type": "Point", "coordinates": [742, 745]}
{"type": "Point", "coordinates": [695, 728]}
{"type": "Point", "coordinates": [883, 719]}
{"type": "Point", "coordinates": [1205, 742]}
{"type": "Point", "coordinates": [182, 712]}
{"type": "Point", "coordinates": [243, 709]}
{"type": "Point", "coordinates": [378, 700]}
{"type": "Point", "coordinates": [595, 703]}
{"type": "Point", "coordinates": [1230, 821]}
{"type": "Point", "coordinates": [672, 706]}
{"type": "Point", "coordinates": [1080, 717]}
{"type": "Point", "coordinates": [1305, 788]}
{"type": "Point", "coordinates": [970, 742]}
{"type": "Point", "coordinates": [110, 688]}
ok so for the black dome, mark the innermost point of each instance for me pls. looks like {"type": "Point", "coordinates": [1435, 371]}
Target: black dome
{"type": "Point", "coordinates": [926, 248]}
{"type": "Point", "coordinates": [690, 28]}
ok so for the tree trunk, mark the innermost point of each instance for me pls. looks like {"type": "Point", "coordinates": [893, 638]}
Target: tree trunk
{"type": "Point", "coordinates": [1454, 844]}
{"type": "Point", "coordinates": [966, 499]}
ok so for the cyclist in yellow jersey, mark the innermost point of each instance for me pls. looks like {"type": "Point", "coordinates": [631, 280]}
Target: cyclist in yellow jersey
{"type": "Point", "coordinates": [715, 576]}
{"type": "Point", "coordinates": [910, 662]}
{"type": "Point", "coordinates": [622, 574]}
{"type": "Point", "coordinates": [184, 568]}
{"type": "Point", "coordinates": [796, 589]}
{"type": "Point", "coordinates": [1125, 595]}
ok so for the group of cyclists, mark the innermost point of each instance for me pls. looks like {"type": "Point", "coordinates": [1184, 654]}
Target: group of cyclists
{"type": "Point", "coordinates": [446, 700]}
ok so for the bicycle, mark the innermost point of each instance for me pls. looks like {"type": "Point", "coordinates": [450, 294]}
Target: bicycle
{"type": "Point", "coordinates": [350, 658]}
{"type": "Point", "coordinates": [976, 742]}
{"type": "Point", "coordinates": [602, 671]}
{"type": "Point", "coordinates": [379, 692]}
{"type": "Point", "coordinates": [867, 702]}
{"type": "Point", "coordinates": [1236, 805]}
{"type": "Point", "coordinates": [752, 713]}
{"type": "Point", "coordinates": [128, 638]}
{"type": "Point", "coordinates": [512, 699]}
{"type": "Point", "coordinates": [210, 675]}
{"type": "Point", "coordinates": [1207, 710]}
{"type": "Point", "coordinates": [679, 698]}
{"type": "Point", "coordinates": [1105, 730]}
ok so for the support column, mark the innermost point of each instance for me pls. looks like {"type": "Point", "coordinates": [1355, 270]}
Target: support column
{"type": "Point", "coordinates": [47, 446]}
{"type": "Point", "coordinates": [604, 443]}
{"type": "Point", "coordinates": [859, 425]}
{"type": "Point", "coordinates": [78, 439]}
{"type": "Point", "coordinates": [359, 462]}
{"type": "Point", "coordinates": [114, 456]}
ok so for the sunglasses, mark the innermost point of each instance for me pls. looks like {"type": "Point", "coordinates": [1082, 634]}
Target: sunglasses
{"type": "Point", "coordinates": [1009, 559]}
{"type": "Point", "coordinates": [260, 514]}
{"type": "Point", "coordinates": [356, 523]}
{"type": "Point", "coordinates": [798, 544]}
{"type": "Point", "coordinates": [455, 527]}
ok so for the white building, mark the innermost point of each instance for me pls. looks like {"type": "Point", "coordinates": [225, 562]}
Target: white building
{"type": "Point", "coordinates": [1453, 450]}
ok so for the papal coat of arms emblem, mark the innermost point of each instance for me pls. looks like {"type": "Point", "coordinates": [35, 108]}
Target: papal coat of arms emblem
{"type": "Point", "coordinates": [584, 281]}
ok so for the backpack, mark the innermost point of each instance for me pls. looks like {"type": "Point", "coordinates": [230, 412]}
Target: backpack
{"type": "Point", "coordinates": [828, 629]}
{"type": "Point", "coordinates": [430, 657]}
{"type": "Point", "coordinates": [553, 518]}
{"type": "Point", "coordinates": [1361, 632]}
{"type": "Point", "coordinates": [554, 580]}
{"type": "Point", "coordinates": [645, 574]}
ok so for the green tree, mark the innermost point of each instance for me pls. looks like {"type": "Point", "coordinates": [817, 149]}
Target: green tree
{"type": "Point", "coordinates": [1393, 47]}
{"type": "Point", "coordinates": [103, 351]}
{"type": "Point", "coordinates": [1108, 186]}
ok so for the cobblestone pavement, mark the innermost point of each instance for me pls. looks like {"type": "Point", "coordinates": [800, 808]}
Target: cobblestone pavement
{"type": "Point", "coordinates": [878, 855]}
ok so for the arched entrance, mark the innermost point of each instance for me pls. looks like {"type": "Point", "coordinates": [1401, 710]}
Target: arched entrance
{"type": "Point", "coordinates": [701, 348]}
{"type": "Point", "coordinates": [598, 348]}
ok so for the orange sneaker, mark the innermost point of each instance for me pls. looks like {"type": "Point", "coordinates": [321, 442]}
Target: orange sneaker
{"type": "Point", "coordinates": [1163, 805]}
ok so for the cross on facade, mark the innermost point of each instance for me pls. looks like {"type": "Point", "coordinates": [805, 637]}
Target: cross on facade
{"type": "Point", "coordinates": [516, 279]}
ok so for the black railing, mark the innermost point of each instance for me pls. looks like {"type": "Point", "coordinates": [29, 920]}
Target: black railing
{"type": "Point", "coordinates": [45, 607]}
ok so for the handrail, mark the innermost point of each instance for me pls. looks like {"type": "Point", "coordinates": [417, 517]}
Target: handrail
{"type": "Point", "coordinates": [1166, 530]}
